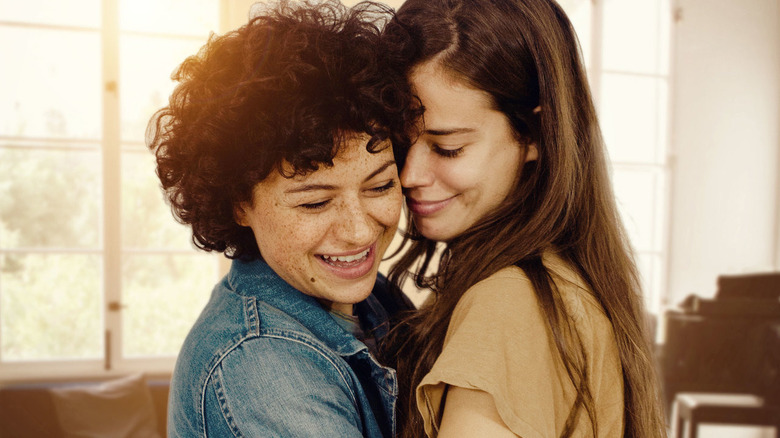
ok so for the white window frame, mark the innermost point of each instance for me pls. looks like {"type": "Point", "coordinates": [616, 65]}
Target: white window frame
{"type": "Point", "coordinates": [233, 13]}
{"type": "Point", "coordinates": [655, 289]}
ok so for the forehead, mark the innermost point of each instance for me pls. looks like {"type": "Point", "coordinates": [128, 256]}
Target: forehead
{"type": "Point", "coordinates": [352, 162]}
{"type": "Point", "coordinates": [447, 98]}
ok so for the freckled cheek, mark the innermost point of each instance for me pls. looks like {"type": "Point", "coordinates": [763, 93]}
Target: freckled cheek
{"type": "Point", "coordinates": [387, 211]}
{"type": "Point", "coordinates": [310, 232]}
{"type": "Point", "coordinates": [291, 238]}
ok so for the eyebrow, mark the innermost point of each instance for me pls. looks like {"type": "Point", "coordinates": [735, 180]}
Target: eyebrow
{"type": "Point", "coordinates": [314, 187]}
{"type": "Point", "coordinates": [443, 132]}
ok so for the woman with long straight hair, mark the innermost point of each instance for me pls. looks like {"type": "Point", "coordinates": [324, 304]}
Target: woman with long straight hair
{"type": "Point", "coordinates": [535, 327]}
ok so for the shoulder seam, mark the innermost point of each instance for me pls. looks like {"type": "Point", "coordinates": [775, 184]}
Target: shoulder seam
{"type": "Point", "coordinates": [301, 339]}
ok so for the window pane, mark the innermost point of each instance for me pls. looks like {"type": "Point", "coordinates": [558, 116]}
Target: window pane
{"type": "Point", "coordinates": [579, 12]}
{"type": "Point", "coordinates": [183, 17]}
{"type": "Point", "coordinates": [50, 307]}
{"type": "Point", "coordinates": [84, 13]}
{"type": "Point", "coordinates": [650, 269]}
{"type": "Point", "coordinates": [633, 115]}
{"type": "Point", "coordinates": [147, 221]}
{"type": "Point", "coordinates": [51, 198]}
{"type": "Point", "coordinates": [50, 83]}
{"type": "Point", "coordinates": [637, 192]}
{"type": "Point", "coordinates": [632, 36]}
{"type": "Point", "coordinates": [146, 67]}
{"type": "Point", "coordinates": [163, 294]}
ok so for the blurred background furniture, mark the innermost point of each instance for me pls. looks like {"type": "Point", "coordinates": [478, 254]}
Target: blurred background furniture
{"type": "Point", "coordinates": [122, 407]}
{"type": "Point", "coordinates": [691, 409]}
{"type": "Point", "coordinates": [720, 360]}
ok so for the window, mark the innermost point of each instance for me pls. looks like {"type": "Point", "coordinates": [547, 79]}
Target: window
{"type": "Point", "coordinates": [626, 47]}
{"type": "Point", "coordinates": [95, 274]}
{"type": "Point", "coordinates": [633, 97]}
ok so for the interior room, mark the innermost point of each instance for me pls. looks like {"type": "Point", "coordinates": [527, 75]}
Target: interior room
{"type": "Point", "coordinates": [99, 284]}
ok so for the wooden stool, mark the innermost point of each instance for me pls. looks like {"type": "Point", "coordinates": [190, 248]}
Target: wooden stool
{"type": "Point", "coordinates": [691, 409]}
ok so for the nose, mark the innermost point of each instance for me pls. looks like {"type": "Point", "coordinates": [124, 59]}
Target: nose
{"type": "Point", "coordinates": [355, 226]}
{"type": "Point", "coordinates": [416, 171]}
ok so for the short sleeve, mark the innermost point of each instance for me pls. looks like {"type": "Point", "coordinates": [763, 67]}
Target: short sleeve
{"type": "Point", "coordinates": [497, 342]}
{"type": "Point", "coordinates": [292, 392]}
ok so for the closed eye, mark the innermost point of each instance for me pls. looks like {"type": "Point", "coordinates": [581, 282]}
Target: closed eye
{"type": "Point", "coordinates": [315, 205]}
{"type": "Point", "coordinates": [447, 153]}
{"type": "Point", "coordinates": [384, 187]}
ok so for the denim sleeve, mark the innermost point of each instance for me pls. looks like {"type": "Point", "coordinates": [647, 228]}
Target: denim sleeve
{"type": "Point", "coordinates": [283, 388]}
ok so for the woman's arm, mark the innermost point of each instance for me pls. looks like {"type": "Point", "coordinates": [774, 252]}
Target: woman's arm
{"type": "Point", "coordinates": [471, 413]}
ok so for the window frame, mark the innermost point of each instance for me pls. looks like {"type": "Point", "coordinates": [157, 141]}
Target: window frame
{"type": "Point", "coordinates": [655, 289]}
{"type": "Point", "coordinates": [109, 247]}
{"type": "Point", "coordinates": [232, 14]}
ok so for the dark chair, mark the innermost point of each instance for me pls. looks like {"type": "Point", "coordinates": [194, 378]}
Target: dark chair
{"type": "Point", "coordinates": [721, 358]}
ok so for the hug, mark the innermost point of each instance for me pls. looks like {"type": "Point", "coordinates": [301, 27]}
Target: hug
{"type": "Point", "coordinates": [293, 144]}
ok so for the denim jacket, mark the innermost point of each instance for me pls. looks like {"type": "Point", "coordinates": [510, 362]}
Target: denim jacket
{"type": "Point", "coordinates": [265, 360]}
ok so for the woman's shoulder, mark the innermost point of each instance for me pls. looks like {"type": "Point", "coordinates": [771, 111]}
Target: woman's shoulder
{"type": "Point", "coordinates": [508, 284]}
{"type": "Point", "coordinates": [232, 325]}
{"type": "Point", "coordinates": [510, 290]}
{"type": "Point", "coordinates": [513, 277]}
{"type": "Point", "coordinates": [581, 302]}
{"type": "Point", "coordinates": [504, 299]}
{"type": "Point", "coordinates": [507, 290]}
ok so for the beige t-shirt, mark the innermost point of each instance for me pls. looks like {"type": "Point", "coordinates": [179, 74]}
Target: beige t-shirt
{"type": "Point", "coordinates": [498, 342]}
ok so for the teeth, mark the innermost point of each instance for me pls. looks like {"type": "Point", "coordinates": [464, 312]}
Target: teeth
{"type": "Point", "coordinates": [346, 259]}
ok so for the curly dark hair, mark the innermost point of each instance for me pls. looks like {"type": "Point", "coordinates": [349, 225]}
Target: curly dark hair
{"type": "Point", "coordinates": [289, 86]}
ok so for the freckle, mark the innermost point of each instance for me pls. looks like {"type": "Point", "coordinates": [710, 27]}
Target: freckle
{"type": "Point", "coordinates": [313, 280]}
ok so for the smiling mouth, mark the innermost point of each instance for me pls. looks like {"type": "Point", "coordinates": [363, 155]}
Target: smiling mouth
{"type": "Point", "coordinates": [426, 208]}
{"type": "Point", "coordinates": [346, 261]}
{"type": "Point", "coordinates": [350, 266]}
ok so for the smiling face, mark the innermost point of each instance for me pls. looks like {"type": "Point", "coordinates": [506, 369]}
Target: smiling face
{"type": "Point", "coordinates": [466, 161]}
{"type": "Point", "coordinates": [325, 232]}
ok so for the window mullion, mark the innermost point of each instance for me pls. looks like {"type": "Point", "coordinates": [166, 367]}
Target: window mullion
{"type": "Point", "coordinates": [596, 47]}
{"type": "Point", "coordinates": [111, 181]}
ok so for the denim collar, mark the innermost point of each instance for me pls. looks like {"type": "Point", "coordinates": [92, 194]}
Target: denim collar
{"type": "Point", "coordinates": [257, 279]}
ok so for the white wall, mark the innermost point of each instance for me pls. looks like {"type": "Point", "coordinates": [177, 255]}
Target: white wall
{"type": "Point", "coordinates": [725, 150]}
{"type": "Point", "coordinates": [725, 142]}
{"type": "Point", "coordinates": [235, 13]}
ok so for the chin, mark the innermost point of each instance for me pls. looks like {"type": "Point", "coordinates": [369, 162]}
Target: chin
{"type": "Point", "coordinates": [434, 231]}
{"type": "Point", "coordinates": [437, 235]}
{"type": "Point", "coordinates": [357, 292]}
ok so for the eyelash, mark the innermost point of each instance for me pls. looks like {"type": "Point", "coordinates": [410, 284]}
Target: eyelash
{"type": "Point", "coordinates": [381, 189]}
{"type": "Point", "coordinates": [315, 205]}
{"type": "Point", "coordinates": [447, 153]}
{"type": "Point", "coordinates": [318, 205]}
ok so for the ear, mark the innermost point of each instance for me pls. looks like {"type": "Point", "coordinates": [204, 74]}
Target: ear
{"type": "Point", "coordinates": [531, 152]}
{"type": "Point", "coordinates": [239, 214]}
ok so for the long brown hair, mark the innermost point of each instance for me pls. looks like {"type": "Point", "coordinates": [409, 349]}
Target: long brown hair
{"type": "Point", "coordinates": [525, 54]}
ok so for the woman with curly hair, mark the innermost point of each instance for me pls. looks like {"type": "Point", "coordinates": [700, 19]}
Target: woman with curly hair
{"type": "Point", "coordinates": [535, 326]}
{"type": "Point", "coordinates": [277, 149]}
